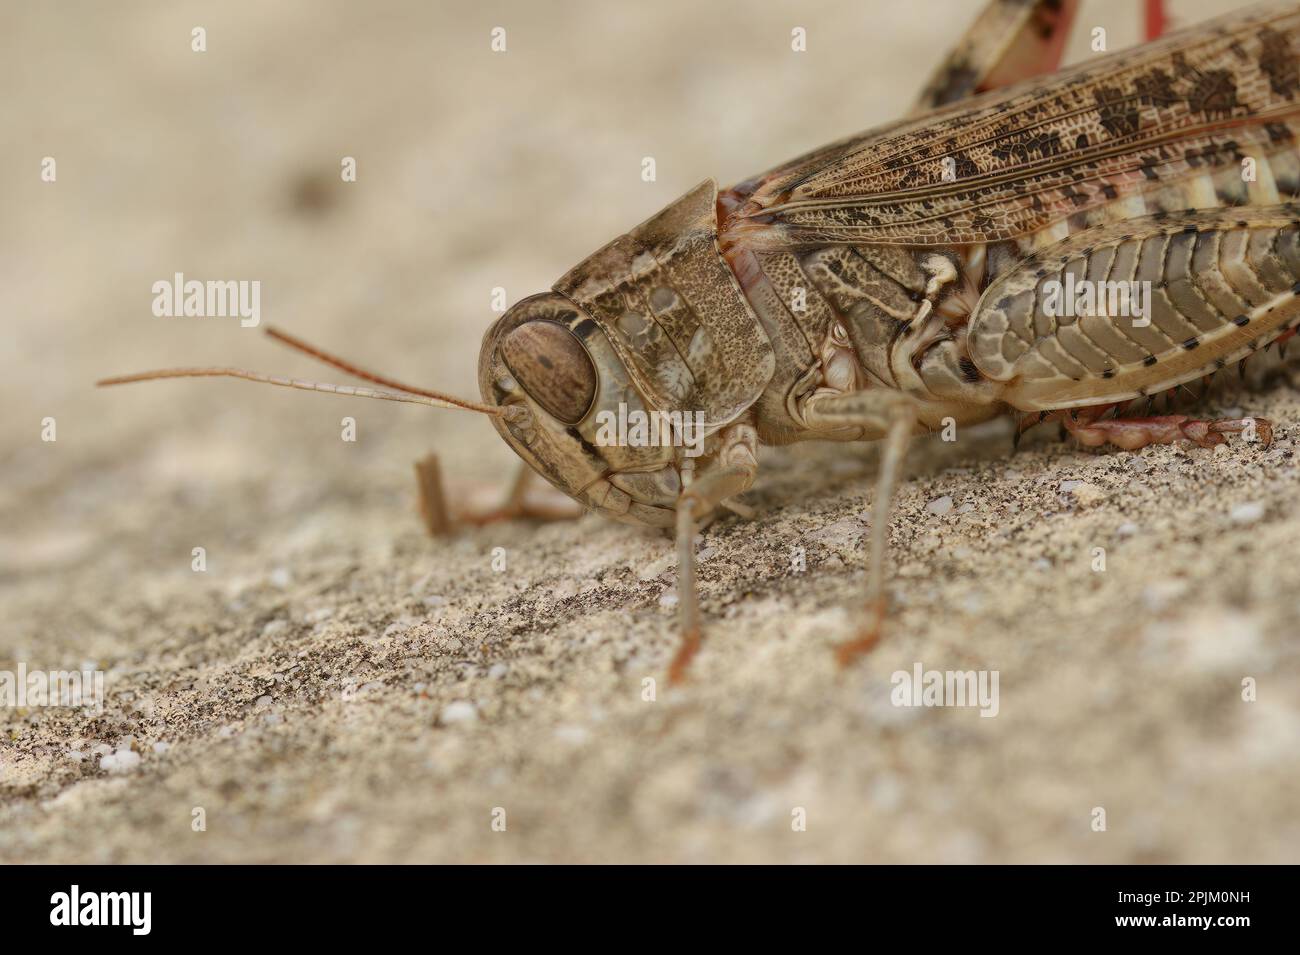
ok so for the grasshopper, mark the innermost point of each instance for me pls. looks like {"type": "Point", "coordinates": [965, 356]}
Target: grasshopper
{"type": "Point", "coordinates": [1053, 245]}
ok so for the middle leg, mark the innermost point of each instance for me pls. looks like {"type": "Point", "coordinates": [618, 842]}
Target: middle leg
{"type": "Point", "coordinates": [893, 414]}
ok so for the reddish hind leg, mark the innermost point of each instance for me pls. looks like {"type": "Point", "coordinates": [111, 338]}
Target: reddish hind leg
{"type": "Point", "coordinates": [1133, 433]}
{"type": "Point", "coordinates": [1155, 21]}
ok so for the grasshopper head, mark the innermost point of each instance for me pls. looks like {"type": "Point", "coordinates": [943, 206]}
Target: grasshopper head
{"type": "Point", "coordinates": [621, 378]}
{"type": "Point", "coordinates": [553, 370]}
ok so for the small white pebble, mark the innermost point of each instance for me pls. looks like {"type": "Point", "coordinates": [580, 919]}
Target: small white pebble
{"type": "Point", "coordinates": [461, 711]}
{"type": "Point", "coordinates": [498, 671]}
{"type": "Point", "coordinates": [264, 701]}
{"type": "Point", "coordinates": [841, 531]}
{"type": "Point", "coordinates": [1127, 529]}
{"type": "Point", "coordinates": [657, 567]}
{"type": "Point", "coordinates": [123, 761]}
{"type": "Point", "coordinates": [572, 734]}
{"type": "Point", "coordinates": [668, 598]}
{"type": "Point", "coordinates": [275, 627]}
{"type": "Point", "coordinates": [940, 506]}
{"type": "Point", "coordinates": [280, 577]}
{"type": "Point", "coordinates": [1158, 595]}
{"type": "Point", "coordinates": [161, 747]}
{"type": "Point", "coordinates": [1247, 513]}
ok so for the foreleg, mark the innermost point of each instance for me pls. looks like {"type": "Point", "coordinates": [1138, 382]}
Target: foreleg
{"type": "Point", "coordinates": [518, 503]}
{"type": "Point", "coordinates": [733, 473]}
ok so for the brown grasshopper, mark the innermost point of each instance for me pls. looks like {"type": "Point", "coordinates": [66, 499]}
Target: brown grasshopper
{"type": "Point", "coordinates": [1052, 245]}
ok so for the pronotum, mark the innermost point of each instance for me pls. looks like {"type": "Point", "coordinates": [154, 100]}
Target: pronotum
{"type": "Point", "coordinates": [1051, 245]}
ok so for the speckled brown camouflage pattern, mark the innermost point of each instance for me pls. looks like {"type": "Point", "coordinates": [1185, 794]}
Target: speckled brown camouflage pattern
{"type": "Point", "coordinates": [1025, 159]}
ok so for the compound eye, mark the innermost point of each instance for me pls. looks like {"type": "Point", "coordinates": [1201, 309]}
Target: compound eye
{"type": "Point", "coordinates": [552, 366]}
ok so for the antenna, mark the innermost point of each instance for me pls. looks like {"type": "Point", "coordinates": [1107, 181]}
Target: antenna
{"type": "Point", "coordinates": [400, 392]}
{"type": "Point", "coordinates": [300, 345]}
{"type": "Point", "coordinates": [351, 391]}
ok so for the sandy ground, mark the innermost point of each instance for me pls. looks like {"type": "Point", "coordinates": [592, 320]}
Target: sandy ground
{"type": "Point", "coordinates": [338, 687]}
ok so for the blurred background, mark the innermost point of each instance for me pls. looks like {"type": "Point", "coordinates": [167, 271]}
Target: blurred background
{"type": "Point", "coordinates": [475, 170]}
